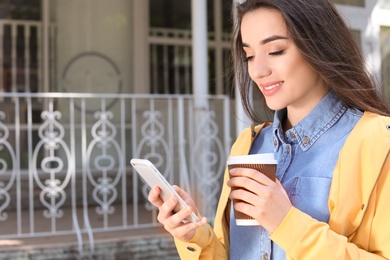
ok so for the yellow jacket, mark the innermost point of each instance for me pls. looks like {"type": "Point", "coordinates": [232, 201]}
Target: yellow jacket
{"type": "Point", "coordinates": [359, 205]}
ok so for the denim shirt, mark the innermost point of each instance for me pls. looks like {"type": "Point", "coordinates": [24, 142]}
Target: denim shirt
{"type": "Point", "coordinates": [306, 154]}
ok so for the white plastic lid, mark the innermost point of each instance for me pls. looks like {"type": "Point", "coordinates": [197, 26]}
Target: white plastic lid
{"type": "Point", "coordinates": [247, 222]}
{"type": "Point", "coordinates": [266, 158]}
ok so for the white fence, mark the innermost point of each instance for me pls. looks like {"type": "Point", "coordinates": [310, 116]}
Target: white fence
{"type": "Point", "coordinates": [64, 159]}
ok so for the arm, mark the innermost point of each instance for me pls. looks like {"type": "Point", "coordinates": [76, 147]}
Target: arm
{"type": "Point", "coordinates": [193, 240]}
{"type": "Point", "coordinates": [359, 204]}
{"type": "Point", "coordinates": [204, 245]}
{"type": "Point", "coordinates": [303, 237]}
{"type": "Point", "coordinates": [209, 243]}
{"type": "Point", "coordinates": [214, 244]}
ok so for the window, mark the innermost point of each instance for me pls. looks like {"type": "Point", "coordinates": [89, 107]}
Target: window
{"type": "Point", "coordinates": [19, 29]}
{"type": "Point", "coordinates": [170, 40]}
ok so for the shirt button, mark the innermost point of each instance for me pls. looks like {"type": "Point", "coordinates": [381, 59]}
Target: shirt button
{"type": "Point", "coordinates": [292, 135]}
{"type": "Point", "coordinates": [265, 256]}
{"type": "Point", "coordinates": [275, 143]}
{"type": "Point", "coordinates": [288, 150]}
{"type": "Point", "coordinates": [306, 140]}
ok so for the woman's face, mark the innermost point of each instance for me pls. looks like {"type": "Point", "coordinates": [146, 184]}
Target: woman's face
{"type": "Point", "coordinates": [276, 65]}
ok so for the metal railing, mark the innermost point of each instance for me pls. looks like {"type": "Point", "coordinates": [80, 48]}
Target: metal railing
{"type": "Point", "coordinates": [64, 159]}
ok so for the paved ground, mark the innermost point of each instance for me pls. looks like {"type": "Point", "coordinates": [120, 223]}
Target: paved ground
{"type": "Point", "coordinates": [41, 225]}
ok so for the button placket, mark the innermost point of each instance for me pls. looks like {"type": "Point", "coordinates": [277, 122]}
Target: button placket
{"type": "Point", "coordinates": [265, 243]}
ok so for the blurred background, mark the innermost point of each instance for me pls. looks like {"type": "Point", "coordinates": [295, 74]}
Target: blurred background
{"type": "Point", "coordinates": [86, 85]}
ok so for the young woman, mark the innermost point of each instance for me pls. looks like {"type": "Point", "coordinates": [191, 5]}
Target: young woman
{"type": "Point", "coordinates": [330, 135]}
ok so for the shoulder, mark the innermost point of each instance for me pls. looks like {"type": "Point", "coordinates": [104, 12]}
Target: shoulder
{"type": "Point", "coordinates": [252, 131]}
{"type": "Point", "coordinates": [372, 132]}
{"type": "Point", "coordinates": [245, 139]}
{"type": "Point", "coordinates": [372, 124]}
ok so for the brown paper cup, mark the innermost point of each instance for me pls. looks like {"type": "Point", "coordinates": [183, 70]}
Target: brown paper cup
{"type": "Point", "coordinates": [264, 163]}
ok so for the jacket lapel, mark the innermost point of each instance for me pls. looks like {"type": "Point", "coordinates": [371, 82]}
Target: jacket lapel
{"type": "Point", "coordinates": [356, 173]}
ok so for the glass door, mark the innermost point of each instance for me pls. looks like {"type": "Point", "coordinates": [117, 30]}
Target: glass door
{"type": "Point", "coordinates": [170, 41]}
{"type": "Point", "coordinates": [20, 26]}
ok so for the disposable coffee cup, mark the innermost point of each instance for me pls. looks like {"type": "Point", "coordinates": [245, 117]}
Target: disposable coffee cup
{"type": "Point", "coordinates": [265, 163]}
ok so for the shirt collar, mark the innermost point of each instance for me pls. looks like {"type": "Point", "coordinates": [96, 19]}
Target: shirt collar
{"type": "Point", "coordinates": [310, 128]}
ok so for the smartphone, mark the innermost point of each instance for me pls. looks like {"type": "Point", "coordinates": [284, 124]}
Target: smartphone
{"type": "Point", "coordinates": [153, 177]}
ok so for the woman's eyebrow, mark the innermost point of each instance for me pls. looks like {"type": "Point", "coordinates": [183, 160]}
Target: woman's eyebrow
{"type": "Point", "coordinates": [268, 39]}
{"type": "Point", "coordinates": [273, 38]}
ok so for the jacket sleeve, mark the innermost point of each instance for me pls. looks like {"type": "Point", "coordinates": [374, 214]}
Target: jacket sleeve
{"type": "Point", "coordinates": [209, 243]}
{"type": "Point", "coordinates": [359, 204]}
{"type": "Point", "coordinates": [303, 237]}
{"type": "Point", "coordinates": [204, 245]}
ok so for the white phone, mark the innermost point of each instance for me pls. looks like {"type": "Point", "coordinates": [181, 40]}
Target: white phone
{"type": "Point", "coordinates": [153, 177]}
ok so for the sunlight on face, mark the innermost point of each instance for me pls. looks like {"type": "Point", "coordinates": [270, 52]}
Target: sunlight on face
{"type": "Point", "coordinates": [276, 65]}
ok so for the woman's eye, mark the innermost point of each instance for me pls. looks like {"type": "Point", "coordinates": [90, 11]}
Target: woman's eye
{"type": "Point", "coordinates": [249, 58]}
{"type": "Point", "coordinates": [276, 53]}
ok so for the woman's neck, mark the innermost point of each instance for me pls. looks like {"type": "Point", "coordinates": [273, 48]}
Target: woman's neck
{"type": "Point", "coordinates": [286, 124]}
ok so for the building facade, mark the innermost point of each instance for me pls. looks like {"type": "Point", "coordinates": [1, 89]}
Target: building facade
{"type": "Point", "coordinates": [86, 85]}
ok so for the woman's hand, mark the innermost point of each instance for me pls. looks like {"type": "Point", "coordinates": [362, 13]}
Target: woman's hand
{"type": "Point", "coordinates": [175, 223]}
{"type": "Point", "coordinates": [259, 197]}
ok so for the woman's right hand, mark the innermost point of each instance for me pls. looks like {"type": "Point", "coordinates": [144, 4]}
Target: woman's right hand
{"type": "Point", "coordinates": [175, 223]}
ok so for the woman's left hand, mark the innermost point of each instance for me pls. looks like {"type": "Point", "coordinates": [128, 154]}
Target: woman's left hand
{"type": "Point", "coordinates": [259, 197]}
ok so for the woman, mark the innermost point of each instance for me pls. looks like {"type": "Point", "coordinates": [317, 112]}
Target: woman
{"type": "Point", "coordinates": [330, 135]}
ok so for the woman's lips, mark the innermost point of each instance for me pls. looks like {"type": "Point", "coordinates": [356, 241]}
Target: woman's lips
{"type": "Point", "coordinates": [271, 88]}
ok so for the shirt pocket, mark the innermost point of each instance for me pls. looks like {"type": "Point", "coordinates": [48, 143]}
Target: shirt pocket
{"type": "Point", "coordinates": [310, 195]}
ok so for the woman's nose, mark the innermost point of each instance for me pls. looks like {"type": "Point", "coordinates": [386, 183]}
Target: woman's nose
{"type": "Point", "coordinates": [258, 68]}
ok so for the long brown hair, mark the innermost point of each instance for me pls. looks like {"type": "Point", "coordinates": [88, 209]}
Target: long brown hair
{"type": "Point", "coordinates": [325, 41]}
